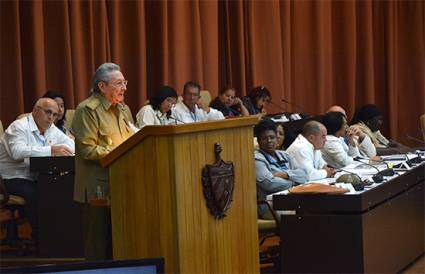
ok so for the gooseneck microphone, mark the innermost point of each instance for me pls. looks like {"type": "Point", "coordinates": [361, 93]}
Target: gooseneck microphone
{"type": "Point", "coordinates": [177, 120]}
{"type": "Point", "coordinates": [409, 162]}
{"type": "Point", "coordinates": [278, 106]}
{"type": "Point", "coordinates": [378, 177]}
{"type": "Point", "coordinates": [301, 109]}
{"type": "Point", "coordinates": [388, 171]}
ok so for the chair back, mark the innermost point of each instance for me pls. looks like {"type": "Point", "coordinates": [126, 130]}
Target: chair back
{"type": "Point", "coordinates": [205, 97]}
{"type": "Point", "coordinates": [23, 115]}
{"type": "Point", "coordinates": [68, 117]}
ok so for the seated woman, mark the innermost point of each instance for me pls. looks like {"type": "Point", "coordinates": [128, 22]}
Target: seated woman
{"type": "Point", "coordinates": [60, 100]}
{"type": "Point", "coordinates": [335, 151]}
{"type": "Point", "coordinates": [274, 169]}
{"type": "Point", "coordinates": [284, 136]}
{"type": "Point", "coordinates": [158, 111]}
{"type": "Point", "coordinates": [368, 119]}
{"type": "Point", "coordinates": [280, 136]}
{"type": "Point", "coordinates": [256, 100]}
{"type": "Point", "coordinates": [229, 104]}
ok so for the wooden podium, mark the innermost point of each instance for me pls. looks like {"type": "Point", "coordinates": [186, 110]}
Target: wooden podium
{"type": "Point", "coordinates": [157, 201]}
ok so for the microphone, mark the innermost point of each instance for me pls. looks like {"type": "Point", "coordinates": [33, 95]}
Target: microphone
{"type": "Point", "coordinates": [278, 106]}
{"type": "Point", "coordinates": [409, 162]}
{"type": "Point", "coordinates": [388, 171]}
{"type": "Point", "coordinates": [292, 104]}
{"type": "Point", "coordinates": [358, 185]}
{"type": "Point", "coordinates": [378, 177]}
{"type": "Point", "coordinates": [283, 117]}
{"type": "Point", "coordinates": [176, 119]}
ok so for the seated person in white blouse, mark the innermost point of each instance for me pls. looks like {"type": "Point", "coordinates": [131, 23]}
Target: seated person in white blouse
{"type": "Point", "coordinates": [306, 151]}
{"type": "Point", "coordinates": [336, 152]}
{"type": "Point", "coordinates": [364, 143]}
{"type": "Point", "coordinates": [192, 109]}
{"type": "Point", "coordinates": [273, 167]}
{"type": "Point", "coordinates": [158, 111]}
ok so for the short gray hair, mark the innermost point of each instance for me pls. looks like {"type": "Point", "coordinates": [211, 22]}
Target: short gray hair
{"type": "Point", "coordinates": [311, 128]}
{"type": "Point", "coordinates": [102, 74]}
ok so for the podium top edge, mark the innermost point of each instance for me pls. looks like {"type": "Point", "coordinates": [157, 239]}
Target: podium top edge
{"type": "Point", "coordinates": [175, 130]}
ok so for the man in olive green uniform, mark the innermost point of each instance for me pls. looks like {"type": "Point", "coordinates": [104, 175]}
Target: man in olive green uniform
{"type": "Point", "coordinates": [101, 123]}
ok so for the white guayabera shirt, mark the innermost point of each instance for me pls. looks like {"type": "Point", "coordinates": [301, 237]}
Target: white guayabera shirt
{"type": "Point", "coordinates": [23, 140]}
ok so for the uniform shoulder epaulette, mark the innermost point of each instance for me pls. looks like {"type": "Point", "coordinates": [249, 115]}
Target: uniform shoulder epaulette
{"type": "Point", "coordinates": [93, 103]}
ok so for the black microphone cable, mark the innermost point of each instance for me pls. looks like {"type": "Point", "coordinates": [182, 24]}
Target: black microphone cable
{"type": "Point", "coordinates": [378, 177]}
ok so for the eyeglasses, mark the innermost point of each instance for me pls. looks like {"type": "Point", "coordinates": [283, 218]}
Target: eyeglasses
{"type": "Point", "coordinates": [120, 84]}
{"type": "Point", "coordinates": [49, 112]}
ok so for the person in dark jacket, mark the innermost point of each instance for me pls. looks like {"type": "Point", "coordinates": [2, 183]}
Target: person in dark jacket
{"type": "Point", "coordinates": [229, 104]}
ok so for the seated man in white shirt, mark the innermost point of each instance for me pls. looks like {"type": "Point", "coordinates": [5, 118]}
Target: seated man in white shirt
{"type": "Point", "coordinates": [31, 136]}
{"type": "Point", "coordinates": [306, 151]}
{"type": "Point", "coordinates": [192, 109]}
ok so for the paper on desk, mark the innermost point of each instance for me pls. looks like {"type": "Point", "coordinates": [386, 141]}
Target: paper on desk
{"type": "Point", "coordinates": [281, 119]}
{"type": "Point", "coordinates": [326, 181]}
{"type": "Point", "coordinates": [401, 157]}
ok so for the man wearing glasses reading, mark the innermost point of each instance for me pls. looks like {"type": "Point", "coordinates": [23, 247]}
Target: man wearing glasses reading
{"type": "Point", "coordinates": [101, 123]}
{"type": "Point", "coordinates": [34, 135]}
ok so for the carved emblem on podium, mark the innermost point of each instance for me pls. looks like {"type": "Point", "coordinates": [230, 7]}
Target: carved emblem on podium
{"type": "Point", "coordinates": [218, 182]}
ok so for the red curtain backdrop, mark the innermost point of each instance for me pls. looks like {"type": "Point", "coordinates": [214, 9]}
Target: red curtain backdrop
{"type": "Point", "coordinates": [311, 53]}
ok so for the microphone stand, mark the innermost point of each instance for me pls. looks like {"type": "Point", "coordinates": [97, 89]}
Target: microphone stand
{"type": "Point", "coordinates": [177, 120]}
{"type": "Point", "coordinates": [292, 104]}
{"type": "Point", "coordinates": [279, 107]}
{"type": "Point", "coordinates": [284, 113]}
{"type": "Point", "coordinates": [378, 177]}
{"type": "Point", "coordinates": [386, 172]}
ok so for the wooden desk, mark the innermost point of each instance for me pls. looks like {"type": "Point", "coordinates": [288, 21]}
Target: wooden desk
{"type": "Point", "coordinates": [380, 230]}
{"type": "Point", "coordinates": [59, 217]}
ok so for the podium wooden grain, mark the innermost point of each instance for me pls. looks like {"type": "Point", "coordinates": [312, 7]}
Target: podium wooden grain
{"type": "Point", "coordinates": [158, 207]}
